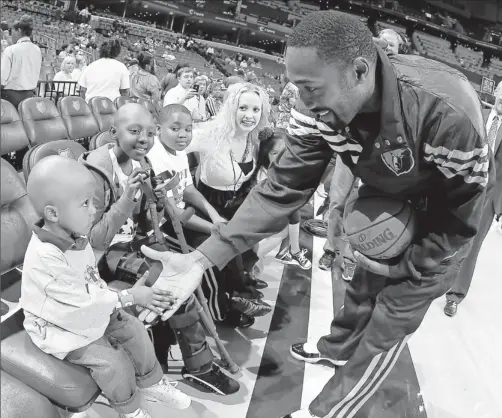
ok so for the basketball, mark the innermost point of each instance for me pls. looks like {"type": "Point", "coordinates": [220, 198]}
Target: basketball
{"type": "Point", "coordinates": [378, 225]}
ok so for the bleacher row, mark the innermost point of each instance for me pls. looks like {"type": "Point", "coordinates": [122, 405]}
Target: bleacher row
{"type": "Point", "coordinates": [39, 121]}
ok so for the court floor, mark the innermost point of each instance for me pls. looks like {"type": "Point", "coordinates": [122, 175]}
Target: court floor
{"type": "Point", "coordinates": [451, 368]}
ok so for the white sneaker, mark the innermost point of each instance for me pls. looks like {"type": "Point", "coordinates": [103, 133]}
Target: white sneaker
{"type": "Point", "coordinates": [166, 392]}
{"type": "Point", "coordinates": [139, 413]}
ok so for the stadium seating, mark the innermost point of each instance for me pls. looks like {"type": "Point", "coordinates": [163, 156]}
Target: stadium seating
{"type": "Point", "coordinates": [103, 110]}
{"type": "Point", "coordinates": [20, 401]}
{"type": "Point", "coordinates": [78, 117]}
{"type": "Point", "coordinates": [13, 135]}
{"type": "Point", "coordinates": [65, 148]}
{"type": "Point", "coordinates": [14, 198]}
{"type": "Point", "coordinates": [42, 121]}
{"type": "Point", "coordinates": [122, 100]}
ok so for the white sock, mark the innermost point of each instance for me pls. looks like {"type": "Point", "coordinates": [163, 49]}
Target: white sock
{"type": "Point", "coordinates": [294, 238]}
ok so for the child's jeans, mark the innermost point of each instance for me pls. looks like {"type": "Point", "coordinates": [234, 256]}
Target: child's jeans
{"type": "Point", "coordinates": [121, 361]}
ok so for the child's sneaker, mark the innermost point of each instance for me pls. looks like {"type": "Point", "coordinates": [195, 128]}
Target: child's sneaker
{"type": "Point", "coordinates": [300, 259]}
{"type": "Point", "coordinates": [139, 413]}
{"type": "Point", "coordinates": [297, 259]}
{"type": "Point", "coordinates": [349, 268]}
{"type": "Point", "coordinates": [166, 392]}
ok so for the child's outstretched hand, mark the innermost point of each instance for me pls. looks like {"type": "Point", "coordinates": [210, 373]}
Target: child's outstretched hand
{"type": "Point", "coordinates": [155, 299]}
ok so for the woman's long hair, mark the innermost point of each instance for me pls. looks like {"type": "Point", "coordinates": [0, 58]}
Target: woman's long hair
{"type": "Point", "coordinates": [221, 130]}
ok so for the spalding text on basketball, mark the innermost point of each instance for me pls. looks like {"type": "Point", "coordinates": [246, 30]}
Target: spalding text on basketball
{"type": "Point", "coordinates": [376, 242]}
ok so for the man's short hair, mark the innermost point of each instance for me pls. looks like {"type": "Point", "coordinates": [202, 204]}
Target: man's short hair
{"type": "Point", "coordinates": [25, 23]}
{"type": "Point", "coordinates": [184, 70]}
{"type": "Point", "coordinates": [337, 37]}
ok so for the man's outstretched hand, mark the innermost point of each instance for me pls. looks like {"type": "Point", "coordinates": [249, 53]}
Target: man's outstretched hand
{"type": "Point", "coordinates": [181, 275]}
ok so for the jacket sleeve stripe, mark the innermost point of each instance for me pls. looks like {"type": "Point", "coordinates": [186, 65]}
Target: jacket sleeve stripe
{"type": "Point", "coordinates": [473, 165]}
{"type": "Point", "coordinates": [310, 121]}
{"type": "Point", "coordinates": [301, 130]}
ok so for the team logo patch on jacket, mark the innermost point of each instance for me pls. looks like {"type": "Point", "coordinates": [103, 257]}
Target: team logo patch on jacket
{"type": "Point", "coordinates": [399, 161]}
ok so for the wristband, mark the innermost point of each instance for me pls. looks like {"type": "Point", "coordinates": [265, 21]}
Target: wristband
{"type": "Point", "coordinates": [126, 299]}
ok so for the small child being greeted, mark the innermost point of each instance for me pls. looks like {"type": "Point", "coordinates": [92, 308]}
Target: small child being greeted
{"type": "Point", "coordinates": [69, 310]}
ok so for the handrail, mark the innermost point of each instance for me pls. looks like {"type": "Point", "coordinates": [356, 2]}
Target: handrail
{"type": "Point", "coordinates": [54, 41]}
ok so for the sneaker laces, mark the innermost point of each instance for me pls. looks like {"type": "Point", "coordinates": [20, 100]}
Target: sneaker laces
{"type": "Point", "coordinates": [168, 384]}
{"type": "Point", "coordinates": [301, 256]}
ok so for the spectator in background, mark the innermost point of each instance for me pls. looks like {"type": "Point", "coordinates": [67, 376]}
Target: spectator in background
{"type": "Point", "coordinates": [81, 65]}
{"type": "Point", "coordinates": [170, 80]}
{"type": "Point", "coordinates": [289, 95]}
{"type": "Point", "coordinates": [85, 15]}
{"type": "Point", "coordinates": [21, 63]}
{"type": "Point", "coordinates": [144, 82]}
{"type": "Point", "coordinates": [395, 42]}
{"type": "Point", "coordinates": [106, 77]}
{"type": "Point", "coordinates": [67, 50]}
{"type": "Point", "coordinates": [66, 74]}
{"type": "Point", "coordinates": [197, 104]}
{"type": "Point", "coordinates": [214, 98]}
{"type": "Point", "coordinates": [182, 92]}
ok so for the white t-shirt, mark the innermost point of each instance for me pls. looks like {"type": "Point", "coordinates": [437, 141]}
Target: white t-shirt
{"type": "Point", "coordinates": [104, 77]}
{"type": "Point", "coordinates": [174, 95]}
{"type": "Point", "coordinates": [168, 165]}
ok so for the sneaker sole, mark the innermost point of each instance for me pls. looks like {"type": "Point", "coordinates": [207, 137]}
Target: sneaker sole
{"type": "Point", "coordinates": [293, 263]}
{"type": "Point", "coordinates": [178, 406]}
{"type": "Point", "coordinates": [194, 379]}
{"type": "Point", "coordinates": [338, 363]}
{"type": "Point", "coordinates": [286, 263]}
{"type": "Point", "coordinates": [325, 268]}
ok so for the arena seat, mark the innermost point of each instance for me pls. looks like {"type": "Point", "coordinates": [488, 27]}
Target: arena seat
{"type": "Point", "coordinates": [68, 386]}
{"type": "Point", "coordinates": [103, 110]}
{"type": "Point", "coordinates": [149, 105]}
{"type": "Point", "coordinates": [66, 148]}
{"type": "Point", "coordinates": [99, 140]}
{"type": "Point", "coordinates": [122, 100]}
{"type": "Point", "coordinates": [20, 401]}
{"type": "Point", "coordinates": [14, 197]}
{"type": "Point", "coordinates": [42, 121]}
{"type": "Point", "coordinates": [13, 135]}
{"type": "Point", "coordinates": [78, 118]}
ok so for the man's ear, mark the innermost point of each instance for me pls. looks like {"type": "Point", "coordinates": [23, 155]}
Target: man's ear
{"type": "Point", "coordinates": [113, 133]}
{"type": "Point", "coordinates": [158, 128]}
{"type": "Point", "coordinates": [362, 68]}
{"type": "Point", "coordinates": [51, 213]}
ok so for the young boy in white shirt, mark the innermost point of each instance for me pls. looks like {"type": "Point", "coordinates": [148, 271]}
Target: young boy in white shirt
{"type": "Point", "coordinates": [70, 312]}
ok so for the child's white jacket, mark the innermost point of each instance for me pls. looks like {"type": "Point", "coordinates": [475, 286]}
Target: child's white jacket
{"type": "Point", "coordinates": [66, 304]}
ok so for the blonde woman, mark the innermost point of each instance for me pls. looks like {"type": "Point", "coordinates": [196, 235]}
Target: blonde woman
{"type": "Point", "coordinates": [81, 64]}
{"type": "Point", "coordinates": [66, 74]}
{"type": "Point", "coordinates": [228, 148]}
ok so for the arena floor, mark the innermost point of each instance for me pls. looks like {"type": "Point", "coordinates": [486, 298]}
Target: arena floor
{"type": "Point", "coordinates": [452, 367]}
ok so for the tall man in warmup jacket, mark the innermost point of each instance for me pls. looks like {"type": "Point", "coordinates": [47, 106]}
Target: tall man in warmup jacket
{"type": "Point", "coordinates": [492, 207]}
{"type": "Point", "coordinates": [412, 128]}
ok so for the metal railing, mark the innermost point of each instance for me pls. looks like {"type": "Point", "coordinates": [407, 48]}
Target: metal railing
{"type": "Point", "coordinates": [54, 90]}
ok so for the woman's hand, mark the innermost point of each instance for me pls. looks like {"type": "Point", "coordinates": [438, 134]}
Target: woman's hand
{"type": "Point", "coordinates": [134, 182]}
